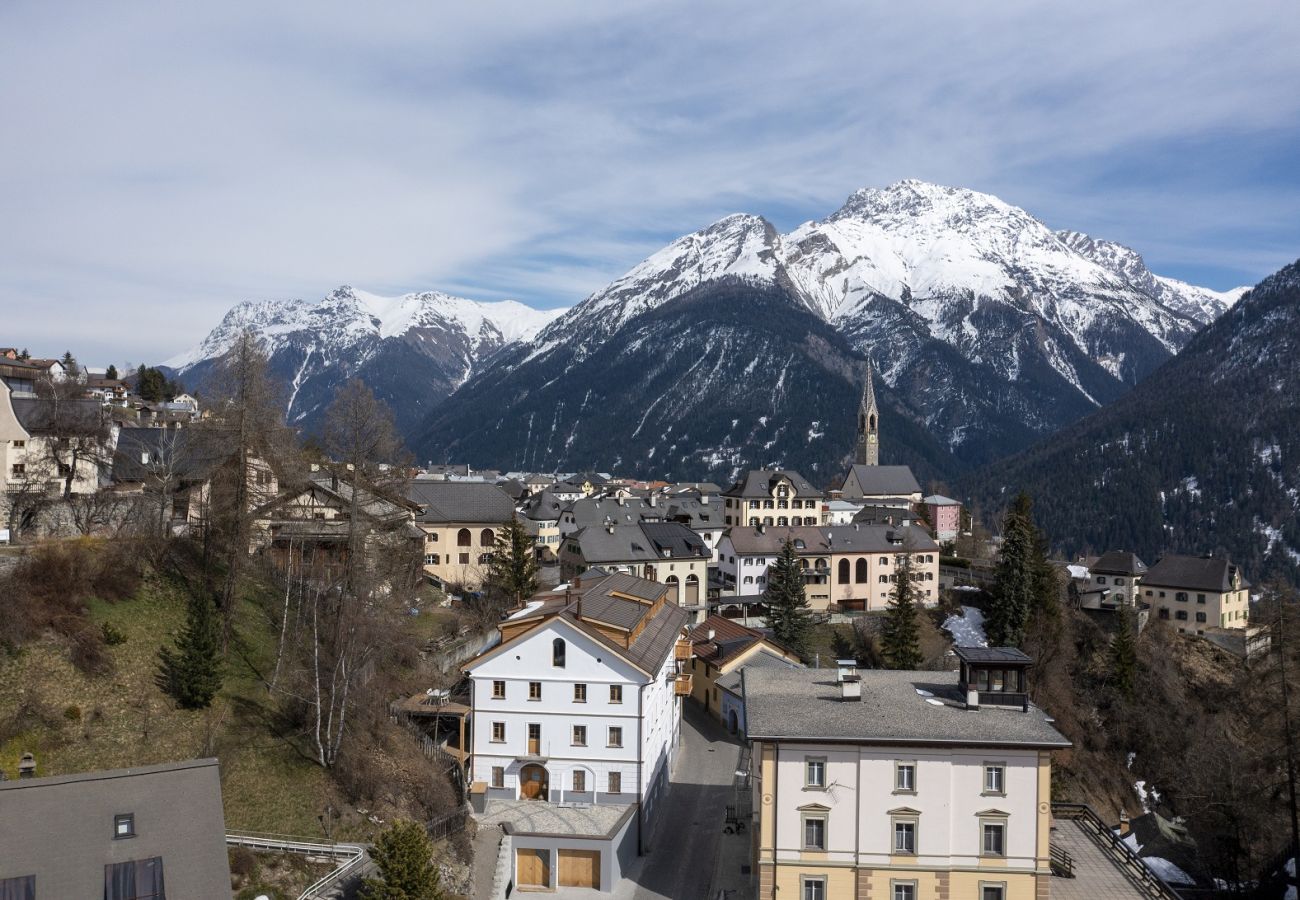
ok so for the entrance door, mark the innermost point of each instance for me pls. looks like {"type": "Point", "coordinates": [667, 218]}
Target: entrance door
{"type": "Point", "coordinates": [534, 738]}
{"type": "Point", "coordinates": [533, 869]}
{"type": "Point", "coordinates": [533, 783]}
{"type": "Point", "coordinates": [580, 868]}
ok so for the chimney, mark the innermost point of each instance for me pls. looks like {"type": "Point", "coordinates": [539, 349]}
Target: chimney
{"type": "Point", "coordinates": [610, 527]}
{"type": "Point", "coordinates": [759, 527]}
{"type": "Point", "coordinates": [577, 581]}
{"type": "Point", "coordinates": [334, 480]}
{"type": "Point", "coordinates": [27, 766]}
{"type": "Point", "coordinates": [851, 689]}
{"type": "Point", "coordinates": [1123, 823]}
{"type": "Point", "coordinates": [972, 697]}
{"type": "Point", "coordinates": [712, 634]}
{"type": "Point", "coordinates": [654, 500]}
{"type": "Point", "coordinates": [704, 500]}
{"type": "Point", "coordinates": [845, 669]}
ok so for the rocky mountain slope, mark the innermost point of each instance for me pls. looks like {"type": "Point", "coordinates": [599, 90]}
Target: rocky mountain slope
{"type": "Point", "coordinates": [1202, 456]}
{"type": "Point", "coordinates": [413, 350]}
{"type": "Point", "coordinates": [992, 329]}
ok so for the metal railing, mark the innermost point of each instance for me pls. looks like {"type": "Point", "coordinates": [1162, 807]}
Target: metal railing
{"type": "Point", "coordinates": [1112, 844]}
{"type": "Point", "coordinates": [1062, 863]}
{"type": "Point", "coordinates": [353, 856]}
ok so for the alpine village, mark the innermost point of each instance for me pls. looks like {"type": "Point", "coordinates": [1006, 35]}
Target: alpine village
{"type": "Point", "coordinates": [894, 547]}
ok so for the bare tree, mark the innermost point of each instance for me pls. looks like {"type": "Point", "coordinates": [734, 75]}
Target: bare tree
{"type": "Point", "coordinates": [74, 433]}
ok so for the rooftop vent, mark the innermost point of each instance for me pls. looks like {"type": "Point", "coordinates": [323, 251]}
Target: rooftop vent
{"type": "Point", "coordinates": [851, 688]}
{"type": "Point", "coordinates": [845, 669]}
{"type": "Point", "coordinates": [712, 634]}
{"type": "Point", "coordinates": [27, 766]}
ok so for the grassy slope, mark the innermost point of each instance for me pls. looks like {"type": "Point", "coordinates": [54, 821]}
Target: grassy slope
{"type": "Point", "coordinates": [125, 720]}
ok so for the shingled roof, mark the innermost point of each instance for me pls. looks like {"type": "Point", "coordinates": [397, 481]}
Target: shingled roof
{"type": "Point", "coordinates": [758, 483]}
{"type": "Point", "coordinates": [1118, 562]}
{"type": "Point", "coordinates": [886, 481]}
{"type": "Point", "coordinates": [1193, 573]}
{"type": "Point", "coordinates": [460, 501]}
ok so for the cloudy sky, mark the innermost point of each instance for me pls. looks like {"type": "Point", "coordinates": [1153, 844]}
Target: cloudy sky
{"type": "Point", "coordinates": [160, 162]}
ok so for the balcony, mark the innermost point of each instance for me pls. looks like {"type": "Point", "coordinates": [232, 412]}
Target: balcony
{"type": "Point", "coordinates": [682, 651]}
{"type": "Point", "coordinates": [682, 686]}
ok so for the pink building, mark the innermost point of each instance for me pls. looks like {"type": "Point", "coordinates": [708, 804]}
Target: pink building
{"type": "Point", "coordinates": [944, 514]}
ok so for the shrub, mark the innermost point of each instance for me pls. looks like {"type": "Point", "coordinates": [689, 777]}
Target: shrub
{"type": "Point", "coordinates": [113, 636]}
{"type": "Point", "coordinates": [243, 862]}
{"type": "Point", "coordinates": [72, 713]}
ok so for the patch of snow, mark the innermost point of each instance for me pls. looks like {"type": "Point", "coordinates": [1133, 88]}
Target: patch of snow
{"type": "Point", "coordinates": [934, 702]}
{"type": "Point", "coordinates": [1080, 572]}
{"type": "Point", "coordinates": [531, 607]}
{"type": "Point", "coordinates": [967, 630]}
{"type": "Point", "coordinates": [923, 693]}
{"type": "Point", "coordinates": [1167, 871]}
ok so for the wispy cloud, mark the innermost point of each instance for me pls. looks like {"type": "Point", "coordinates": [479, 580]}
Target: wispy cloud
{"type": "Point", "coordinates": [165, 162]}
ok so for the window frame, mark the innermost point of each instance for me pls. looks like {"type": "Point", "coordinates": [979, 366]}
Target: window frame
{"type": "Point", "coordinates": [497, 728]}
{"type": "Point", "coordinates": [895, 884]}
{"type": "Point", "coordinates": [820, 818]}
{"type": "Point", "coordinates": [498, 777]}
{"type": "Point", "coordinates": [616, 693]}
{"type": "Point", "coordinates": [579, 781]}
{"type": "Point", "coordinates": [818, 885]}
{"type": "Point", "coordinates": [999, 886]}
{"type": "Point", "coordinates": [904, 821]}
{"type": "Point", "coordinates": [614, 783]}
{"type": "Point", "coordinates": [534, 691]}
{"type": "Point", "coordinates": [809, 762]}
{"type": "Point", "coordinates": [579, 692]}
{"type": "Point", "coordinates": [574, 735]}
{"type": "Point", "coordinates": [498, 689]}
{"type": "Point", "coordinates": [123, 818]}
{"type": "Point", "coordinates": [899, 766]}
{"type": "Point", "coordinates": [609, 736]}
{"type": "Point", "coordinates": [987, 822]}
{"type": "Point", "coordinates": [1001, 769]}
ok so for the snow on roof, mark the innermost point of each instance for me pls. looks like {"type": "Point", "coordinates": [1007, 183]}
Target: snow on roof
{"type": "Point", "coordinates": [1167, 871]}
{"type": "Point", "coordinates": [1077, 571]}
{"type": "Point", "coordinates": [530, 607]}
{"type": "Point", "coordinates": [967, 630]}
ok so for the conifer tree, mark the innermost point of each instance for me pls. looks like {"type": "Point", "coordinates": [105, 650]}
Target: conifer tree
{"type": "Point", "coordinates": [900, 639]}
{"type": "Point", "coordinates": [1018, 575]}
{"type": "Point", "coordinates": [404, 857]}
{"type": "Point", "coordinates": [191, 673]}
{"type": "Point", "coordinates": [1123, 652]}
{"type": "Point", "coordinates": [111, 372]}
{"type": "Point", "coordinates": [787, 607]}
{"type": "Point", "coordinates": [512, 570]}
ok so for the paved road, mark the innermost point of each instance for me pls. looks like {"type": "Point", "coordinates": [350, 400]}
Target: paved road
{"type": "Point", "coordinates": [685, 849]}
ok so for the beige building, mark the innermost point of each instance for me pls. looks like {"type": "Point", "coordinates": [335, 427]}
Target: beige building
{"type": "Point", "coordinates": [720, 648]}
{"type": "Point", "coordinates": [772, 497]}
{"type": "Point", "coordinates": [1197, 593]}
{"type": "Point", "coordinates": [460, 521]}
{"type": "Point", "coordinates": [668, 552]}
{"type": "Point", "coordinates": [901, 785]}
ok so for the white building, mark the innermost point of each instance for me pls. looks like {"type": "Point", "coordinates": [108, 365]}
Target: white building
{"type": "Point", "coordinates": [577, 708]}
{"type": "Point", "coordinates": [901, 785]}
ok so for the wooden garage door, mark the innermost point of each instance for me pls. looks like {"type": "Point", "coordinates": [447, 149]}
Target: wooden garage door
{"type": "Point", "coordinates": [580, 868]}
{"type": "Point", "coordinates": [533, 869]}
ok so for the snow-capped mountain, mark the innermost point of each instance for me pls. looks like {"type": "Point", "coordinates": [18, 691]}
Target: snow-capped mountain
{"type": "Point", "coordinates": [413, 350]}
{"type": "Point", "coordinates": [1204, 455]}
{"type": "Point", "coordinates": [993, 328]}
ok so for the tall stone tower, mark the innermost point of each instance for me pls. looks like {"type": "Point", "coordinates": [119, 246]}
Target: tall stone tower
{"type": "Point", "coordinates": [868, 449]}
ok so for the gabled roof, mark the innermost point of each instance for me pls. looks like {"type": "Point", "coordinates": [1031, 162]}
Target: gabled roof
{"type": "Point", "coordinates": [186, 453]}
{"type": "Point", "coordinates": [821, 540]}
{"type": "Point", "coordinates": [759, 483]}
{"type": "Point", "coordinates": [37, 416]}
{"type": "Point", "coordinates": [1118, 562]}
{"type": "Point", "coordinates": [886, 481]}
{"type": "Point", "coordinates": [543, 506]}
{"type": "Point", "coordinates": [673, 539]}
{"type": "Point", "coordinates": [1193, 573]}
{"type": "Point", "coordinates": [940, 500]}
{"type": "Point", "coordinates": [645, 541]}
{"type": "Point", "coordinates": [729, 640]}
{"type": "Point", "coordinates": [453, 502]}
{"type": "Point", "coordinates": [599, 511]}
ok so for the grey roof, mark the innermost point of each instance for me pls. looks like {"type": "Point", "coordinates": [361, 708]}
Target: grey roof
{"type": "Point", "coordinates": [36, 415]}
{"type": "Point", "coordinates": [758, 483]}
{"type": "Point", "coordinates": [186, 453]}
{"type": "Point", "coordinates": [598, 511]}
{"type": "Point", "coordinates": [886, 481]}
{"type": "Point", "coordinates": [61, 829]}
{"type": "Point", "coordinates": [940, 500]}
{"type": "Point", "coordinates": [993, 655]}
{"type": "Point", "coordinates": [641, 542]}
{"type": "Point", "coordinates": [1118, 562]}
{"type": "Point", "coordinates": [1193, 573]}
{"type": "Point", "coordinates": [763, 659]}
{"type": "Point", "coordinates": [460, 501]}
{"type": "Point", "coordinates": [814, 540]}
{"type": "Point", "coordinates": [693, 512]}
{"type": "Point", "coordinates": [805, 705]}
{"type": "Point", "coordinates": [543, 506]}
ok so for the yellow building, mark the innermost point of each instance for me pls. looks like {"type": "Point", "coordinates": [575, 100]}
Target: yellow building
{"type": "Point", "coordinates": [721, 647]}
{"type": "Point", "coordinates": [460, 521]}
{"type": "Point", "coordinates": [900, 785]}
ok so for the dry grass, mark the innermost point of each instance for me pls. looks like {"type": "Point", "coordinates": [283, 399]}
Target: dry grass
{"type": "Point", "coordinates": [74, 722]}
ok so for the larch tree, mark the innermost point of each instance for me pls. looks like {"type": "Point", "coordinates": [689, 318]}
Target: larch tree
{"type": "Point", "coordinates": [787, 605]}
{"type": "Point", "coordinates": [512, 570]}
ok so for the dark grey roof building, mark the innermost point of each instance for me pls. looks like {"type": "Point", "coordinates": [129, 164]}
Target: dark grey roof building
{"type": "Point", "coordinates": [880, 481]}
{"type": "Point", "coordinates": [147, 832]}
{"type": "Point", "coordinates": [758, 484]}
{"type": "Point", "coordinates": [1118, 562]}
{"type": "Point", "coordinates": [1194, 573]}
{"type": "Point", "coordinates": [460, 501]}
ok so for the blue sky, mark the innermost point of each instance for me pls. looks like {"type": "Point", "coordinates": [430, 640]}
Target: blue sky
{"type": "Point", "coordinates": [162, 162]}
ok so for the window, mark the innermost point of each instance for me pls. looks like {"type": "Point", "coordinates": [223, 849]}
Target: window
{"type": "Point", "coordinates": [616, 693]}
{"type": "Point", "coordinates": [139, 879]}
{"type": "Point", "coordinates": [814, 775]}
{"type": "Point", "coordinates": [860, 570]}
{"type": "Point", "coordinates": [579, 693]}
{"type": "Point", "coordinates": [993, 842]}
{"type": "Point", "coordinates": [20, 468]}
{"type": "Point", "coordinates": [994, 778]}
{"type": "Point", "coordinates": [20, 444]}
{"type": "Point", "coordinates": [498, 732]}
{"type": "Point", "coordinates": [484, 558]}
{"type": "Point", "coordinates": [498, 690]}
{"type": "Point", "coordinates": [902, 890]}
{"type": "Point", "coordinates": [1181, 615]}
{"type": "Point", "coordinates": [1181, 596]}
{"type": "Point", "coordinates": [993, 891]}
{"type": "Point", "coordinates": [1119, 581]}
{"type": "Point", "coordinates": [579, 735]}
{"type": "Point", "coordinates": [905, 777]}
{"type": "Point", "coordinates": [487, 537]}
{"type": "Point", "coordinates": [813, 888]}
{"type": "Point", "coordinates": [557, 653]}
{"type": "Point", "coordinates": [1200, 598]}
{"type": "Point", "coordinates": [1164, 613]}
{"type": "Point", "coordinates": [615, 782]}
{"type": "Point", "coordinates": [1101, 579]}
{"type": "Point", "coordinates": [814, 832]}
{"type": "Point", "coordinates": [1200, 617]}
{"type": "Point", "coordinates": [22, 887]}
{"type": "Point", "coordinates": [534, 690]}
{"type": "Point", "coordinates": [124, 825]}
{"type": "Point", "coordinates": [431, 559]}
{"type": "Point", "coordinates": [463, 559]}
{"type": "Point", "coordinates": [498, 776]}
{"type": "Point", "coordinates": [905, 836]}
{"type": "Point", "coordinates": [579, 781]}
{"type": "Point", "coordinates": [615, 736]}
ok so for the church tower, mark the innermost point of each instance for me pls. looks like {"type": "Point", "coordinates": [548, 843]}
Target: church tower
{"type": "Point", "coordinates": [868, 449]}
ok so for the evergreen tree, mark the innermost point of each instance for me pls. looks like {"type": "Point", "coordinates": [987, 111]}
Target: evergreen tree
{"type": "Point", "coordinates": [512, 570]}
{"type": "Point", "coordinates": [787, 607]}
{"type": "Point", "coordinates": [25, 355]}
{"type": "Point", "coordinates": [900, 639]}
{"type": "Point", "coordinates": [70, 364]}
{"type": "Point", "coordinates": [1123, 652]}
{"type": "Point", "coordinates": [1018, 577]}
{"type": "Point", "coordinates": [111, 373]}
{"type": "Point", "coordinates": [404, 857]}
{"type": "Point", "coordinates": [191, 673]}
{"type": "Point", "coordinates": [150, 384]}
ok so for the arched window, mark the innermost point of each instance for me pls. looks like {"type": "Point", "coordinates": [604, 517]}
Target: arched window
{"type": "Point", "coordinates": [487, 537]}
{"type": "Point", "coordinates": [463, 538]}
{"type": "Point", "coordinates": [844, 571]}
{"type": "Point", "coordinates": [671, 579]}
{"type": "Point", "coordinates": [557, 653]}
{"type": "Point", "coordinates": [860, 573]}
{"type": "Point", "coordinates": [803, 564]}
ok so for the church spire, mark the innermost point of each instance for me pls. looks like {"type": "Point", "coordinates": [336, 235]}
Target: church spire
{"type": "Point", "coordinates": [867, 452]}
